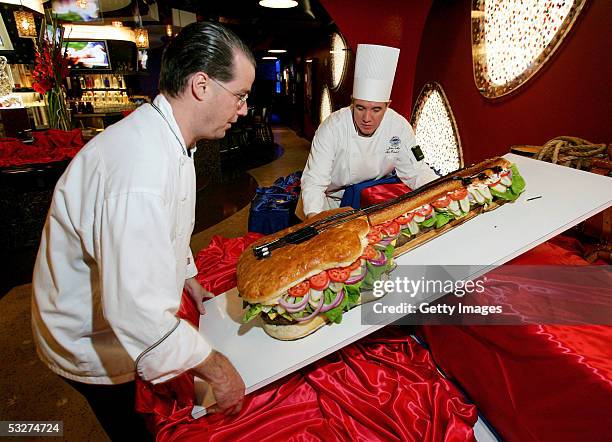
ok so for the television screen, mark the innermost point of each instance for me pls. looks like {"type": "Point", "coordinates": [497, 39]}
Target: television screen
{"type": "Point", "coordinates": [76, 10]}
{"type": "Point", "coordinates": [87, 54]}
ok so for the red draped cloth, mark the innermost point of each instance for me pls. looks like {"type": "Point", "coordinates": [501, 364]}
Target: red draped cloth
{"type": "Point", "coordinates": [384, 387]}
{"type": "Point", "coordinates": [48, 146]}
{"type": "Point", "coordinates": [382, 192]}
{"type": "Point", "coordinates": [534, 382]}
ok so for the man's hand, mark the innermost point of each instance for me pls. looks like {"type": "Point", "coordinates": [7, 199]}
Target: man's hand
{"type": "Point", "coordinates": [225, 381]}
{"type": "Point", "coordinates": [197, 293]}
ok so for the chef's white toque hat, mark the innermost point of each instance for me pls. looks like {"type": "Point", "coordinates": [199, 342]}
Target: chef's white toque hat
{"type": "Point", "coordinates": [374, 72]}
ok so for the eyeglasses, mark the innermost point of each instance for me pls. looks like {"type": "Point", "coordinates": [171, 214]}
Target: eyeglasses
{"type": "Point", "coordinates": [242, 98]}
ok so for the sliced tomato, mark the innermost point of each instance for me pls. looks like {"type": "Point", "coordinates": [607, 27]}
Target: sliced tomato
{"type": "Point", "coordinates": [319, 282]}
{"type": "Point", "coordinates": [441, 203]}
{"type": "Point", "coordinates": [404, 219]}
{"type": "Point", "coordinates": [505, 173]}
{"type": "Point", "coordinates": [391, 229]}
{"type": "Point", "coordinates": [339, 275]}
{"type": "Point", "coordinates": [369, 253]}
{"type": "Point", "coordinates": [354, 266]}
{"type": "Point", "coordinates": [459, 194]}
{"type": "Point", "coordinates": [297, 291]}
{"type": "Point", "coordinates": [425, 211]}
{"type": "Point", "coordinates": [374, 236]}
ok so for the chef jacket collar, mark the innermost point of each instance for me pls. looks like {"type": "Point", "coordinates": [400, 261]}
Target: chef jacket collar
{"type": "Point", "coordinates": [164, 106]}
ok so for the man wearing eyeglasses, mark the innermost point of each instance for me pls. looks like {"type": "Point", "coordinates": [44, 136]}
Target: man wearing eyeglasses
{"type": "Point", "coordinates": [365, 141]}
{"type": "Point", "coordinates": [114, 256]}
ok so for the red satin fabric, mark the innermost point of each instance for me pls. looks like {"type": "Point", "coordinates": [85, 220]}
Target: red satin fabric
{"type": "Point", "coordinates": [217, 263]}
{"type": "Point", "coordinates": [382, 192]}
{"type": "Point", "coordinates": [50, 145]}
{"type": "Point", "coordinates": [384, 387]}
{"type": "Point", "coordinates": [537, 382]}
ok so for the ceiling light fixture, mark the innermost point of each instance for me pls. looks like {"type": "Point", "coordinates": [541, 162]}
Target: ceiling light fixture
{"type": "Point", "coordinates": [269, 58]}
{"type": "Point", "coordinates": [141, 37]}
{"type": "Point", "coordinates": [278, 4]}
{"type": "Point", "coordinates": [25, 23]}
{"type": "Point", "coordinates": [277, 51]}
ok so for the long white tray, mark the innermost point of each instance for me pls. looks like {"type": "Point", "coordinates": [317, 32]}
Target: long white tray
{"type": "Point", "coordinates": [556, 198]}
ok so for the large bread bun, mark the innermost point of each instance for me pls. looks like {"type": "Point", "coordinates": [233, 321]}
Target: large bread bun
{"type": "Point", "coordinates": [264, 280]}
{"type": "Point", "coordinates": [295, 331]}
{"type": "Point", "coordinates": [436, 190]}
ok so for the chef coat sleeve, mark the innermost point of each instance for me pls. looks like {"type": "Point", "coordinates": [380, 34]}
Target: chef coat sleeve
{"type": "Point", "coordinates": [413, 173]}
{"type": "Point", "coordinates": [316, 176]}
{"type": "Point", "coordinates": [141, 286]}
{"type": "Point", "coordinates": [191, 270]}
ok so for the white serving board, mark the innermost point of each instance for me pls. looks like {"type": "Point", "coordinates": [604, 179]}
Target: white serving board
{"type": "Point", "coordinates": [566, 197]}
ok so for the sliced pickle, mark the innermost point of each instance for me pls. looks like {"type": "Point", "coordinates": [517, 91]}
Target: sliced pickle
{"type": "Point", "coordinates": [486, 193]}
{"type": "Point", "coordinates": [465, 204]}
{"type": "Point", "coordinates": [478, 196]}
{"type": "Point", "coordinates": [499, 187]}
{"type": "Point", "coordinates": [413, 227]}
{"type": "Point", "coordinates": [418, 218]}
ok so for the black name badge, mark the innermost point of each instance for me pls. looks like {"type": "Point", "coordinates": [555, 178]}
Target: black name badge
{"type": "Point", "coordinates": [418, 153]}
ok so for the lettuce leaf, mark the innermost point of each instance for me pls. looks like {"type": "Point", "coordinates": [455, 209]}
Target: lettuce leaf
{"type": "Point", "coordinates": [335, 314]}
{"type": "Point", "coordinates": [389, 253]}
{"type": "Point", "coordinates": [352, 292]}
{"type": "Point", "coordinates": [429, 222]}
{"type": "Point", "coordinates": [442, 219]}
{"type": "Point", "coordinates": [351, 299]}
{"type": "Point", "coordinates": [518, 182]}
{"type": "Point", "coordinates": [374, 273]}
{"type": "Point", "coordinates": [252, 312]}
{"type": "Point", "coordinates": [512, 192]}
{"type": "Point", "coordinates": [508, 195]}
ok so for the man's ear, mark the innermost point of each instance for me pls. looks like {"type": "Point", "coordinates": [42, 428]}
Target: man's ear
{"type": "Point", "coordinates": [198, 83]}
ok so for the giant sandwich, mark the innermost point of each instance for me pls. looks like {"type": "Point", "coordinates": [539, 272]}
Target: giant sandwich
{"type": "Point", "coordinates": [300, 287]}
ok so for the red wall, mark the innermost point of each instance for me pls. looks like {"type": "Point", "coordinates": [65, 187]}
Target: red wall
{"type": "Point", "coordinates": [571, 95]}
{"type": "Point", "coordinates": [397, 23]}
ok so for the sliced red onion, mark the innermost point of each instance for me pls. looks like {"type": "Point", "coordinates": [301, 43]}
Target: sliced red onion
{"type": "Point", "coordinates": [293, 308]}
{"type": "Point", "coordinates": [387, 240]}
{"type": "Point", "coordinates": [355, 279]}
{"type": "Point", "coordinates": [313, 314]}
{"type": "Point", "coordinates": [336, 303]}
{"type": "Point", "coordinates": [379, 261]}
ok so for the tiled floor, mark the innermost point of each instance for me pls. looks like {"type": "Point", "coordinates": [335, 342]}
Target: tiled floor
{"type": "Point", "coordinates": [29, 391]}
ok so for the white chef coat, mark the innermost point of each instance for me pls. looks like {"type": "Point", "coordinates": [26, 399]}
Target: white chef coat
{"type": "Point", "coordinates": [114, 257]}
{"type": "Point", "coordinates": [340, 157]}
